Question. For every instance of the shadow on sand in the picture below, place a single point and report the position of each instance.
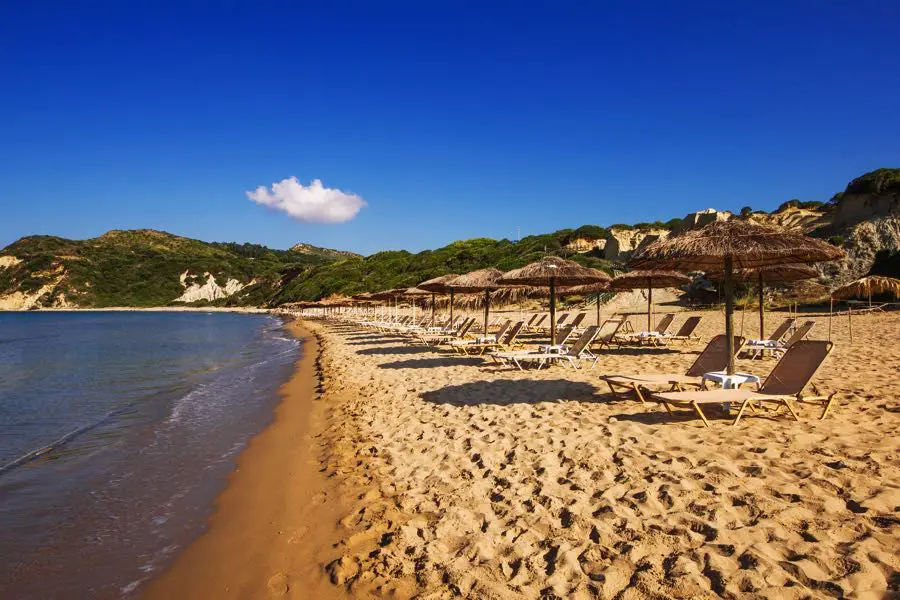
(657, 415)
(427, 363)
(396, 350)
(505, 392)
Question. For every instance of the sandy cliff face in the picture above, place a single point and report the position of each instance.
(863, 241)
(621, 243)
(585, 244)
(28, 299)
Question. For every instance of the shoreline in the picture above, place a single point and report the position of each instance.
(216, 309)
(276, 522)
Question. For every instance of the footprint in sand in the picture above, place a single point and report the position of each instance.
(278, 584)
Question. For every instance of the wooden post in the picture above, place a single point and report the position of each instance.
(598, 309)
(487, 309)
(451, 307)
(729, 310)
(850, 320)
(830, 313)
(649, 304)
(552, 310)
(762, 310)
(432, 309)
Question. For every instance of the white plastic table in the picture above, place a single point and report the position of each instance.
(729, 382)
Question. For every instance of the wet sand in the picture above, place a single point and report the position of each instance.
(276, 521)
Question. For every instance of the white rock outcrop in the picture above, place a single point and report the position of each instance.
(210, 290)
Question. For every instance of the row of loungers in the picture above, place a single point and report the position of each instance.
(799, 360)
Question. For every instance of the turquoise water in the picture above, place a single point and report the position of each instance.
(117, 430)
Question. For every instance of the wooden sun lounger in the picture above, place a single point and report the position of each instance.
(713, 358)
(784, 384)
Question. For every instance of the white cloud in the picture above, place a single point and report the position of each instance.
(314, 203)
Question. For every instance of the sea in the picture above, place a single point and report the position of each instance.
(117, 432)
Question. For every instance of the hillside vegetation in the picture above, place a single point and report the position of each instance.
(142, 268)
(152, 268)
(404, 269)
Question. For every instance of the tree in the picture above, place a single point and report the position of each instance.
(746, 211)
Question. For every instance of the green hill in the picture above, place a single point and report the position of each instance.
(144, 268)
(403, 269)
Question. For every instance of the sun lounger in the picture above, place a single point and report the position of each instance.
(578, 319)
(777, 347)
(777, 335)
(685, 334)
(505, 342)
(784, 384)
(608, 335)
(713, 358)
(661, 327)
(578, 351)
(482, 339)
(537, 324)
(441, 338)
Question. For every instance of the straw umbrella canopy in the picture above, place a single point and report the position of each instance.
(729, 245)
(551, 272)
(482, 280)
(774, 274)
(638, 280)
(872, 285)
(438, 285)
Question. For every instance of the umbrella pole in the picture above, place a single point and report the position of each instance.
(762, 310)
(830, 313)
(552, 310)
(850, 320)
(649, 305)
(451, 307)
(598, 309)
(487, 310)
(729, 309)
(432, 309)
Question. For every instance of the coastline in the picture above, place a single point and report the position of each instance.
(277, 520)
(217, 309)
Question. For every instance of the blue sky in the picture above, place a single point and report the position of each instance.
(451, 120)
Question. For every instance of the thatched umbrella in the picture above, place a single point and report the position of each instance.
(638, 280)
(482, 280)
(873, 285)
(591, 288)
(553, 271)
(774, 274)
(729, 245)
(438, 285)
(413, 293)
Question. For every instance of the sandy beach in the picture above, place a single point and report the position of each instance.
(442, 476)
(499, 483)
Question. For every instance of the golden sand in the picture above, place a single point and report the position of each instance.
(494, 483)
(459, 478)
